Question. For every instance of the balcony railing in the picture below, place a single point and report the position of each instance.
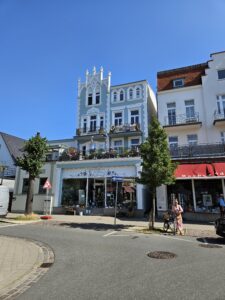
(201, 150)
(90, 131)
(118, 152)
(125, 128)
(182, 119)
(218, 115)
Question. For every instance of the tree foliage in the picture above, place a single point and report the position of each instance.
(157, 167)
(32, 160)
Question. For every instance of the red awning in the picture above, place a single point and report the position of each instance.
(128, 189)
(219, 169)
(193, 170)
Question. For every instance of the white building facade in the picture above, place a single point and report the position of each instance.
(191, 108)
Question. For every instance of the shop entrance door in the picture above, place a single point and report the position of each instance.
(99, 187)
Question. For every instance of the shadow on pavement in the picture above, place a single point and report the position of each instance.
(95, 226)
(212, 240)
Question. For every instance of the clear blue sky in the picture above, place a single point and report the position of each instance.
(46, 45)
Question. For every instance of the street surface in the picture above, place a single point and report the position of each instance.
(94, 261)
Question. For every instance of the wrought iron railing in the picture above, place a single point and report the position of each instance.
(125, 128)
(201, 150)
(90, 131)
(117, 152)
(218, 115)
(181, 119)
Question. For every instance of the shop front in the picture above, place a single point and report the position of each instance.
(197, 188)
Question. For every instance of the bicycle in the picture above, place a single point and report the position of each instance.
(169, 222)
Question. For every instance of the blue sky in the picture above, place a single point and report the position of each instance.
(46, 45)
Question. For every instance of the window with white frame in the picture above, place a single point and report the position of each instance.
(171, 110)
(138, 92)
(118, 118)
(121, 95)
(190, 109)
(90, 99)
(134, 117)
(221, 74)
(222, 136)
(114, 96)
(221, 104)
(192, 139)
(178, 82)
(118, 145)
(130, 93)
(97, 97)
(93, 123)
(84, 125)
(101, 122)
(134, 143)
(173, 142)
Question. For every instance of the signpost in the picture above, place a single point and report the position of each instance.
(47, 203)
(116, 179)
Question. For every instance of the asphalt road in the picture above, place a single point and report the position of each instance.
(95, 262)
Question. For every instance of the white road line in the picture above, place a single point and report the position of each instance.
(110, 233)
(175, 238)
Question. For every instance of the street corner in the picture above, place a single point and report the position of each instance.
(22, 263)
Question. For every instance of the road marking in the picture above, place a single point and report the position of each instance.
(110, 233)
(175, 238)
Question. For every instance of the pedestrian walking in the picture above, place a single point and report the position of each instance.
(177, 210)
(221, 203)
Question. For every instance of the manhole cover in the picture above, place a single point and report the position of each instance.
(161, 255)
(46, 265)
(210, 246)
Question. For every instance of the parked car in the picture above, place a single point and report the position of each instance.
(4, 200)
(220, 226)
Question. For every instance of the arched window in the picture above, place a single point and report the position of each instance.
(138, 92)
(114, 96)
(121, 95)
(130, 93)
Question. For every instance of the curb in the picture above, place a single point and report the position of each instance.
(22, 284)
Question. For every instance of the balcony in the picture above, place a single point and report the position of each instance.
(179, 121)
(125, 130)
(219, 119)
(99, 154)
(198, 151)
(90, 131)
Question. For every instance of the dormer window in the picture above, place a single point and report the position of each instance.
(121, 96)
(221, 74)
(179, 82)
(114, 96)
(130, 93)
(138, 92)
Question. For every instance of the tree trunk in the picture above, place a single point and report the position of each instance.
(29, 200)
(152, 213)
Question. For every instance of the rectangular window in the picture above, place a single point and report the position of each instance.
(222, 135)
(101, 122)
(134, 143)
(221, 74)
(173, 142)
(221, 105)
(118, 119)
(25, 185)
(90, 99)
(97, 98)
(118, 145)
(93, 123)
(179, 82)
(85, 125)
(171, 109)
(134, 119)
(41, 185)
(192, 139)
(190, 110)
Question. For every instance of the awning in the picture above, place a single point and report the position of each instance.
(219, 169)
(194, 170)
(128, 189)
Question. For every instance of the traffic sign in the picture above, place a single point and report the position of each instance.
(117, 179)
(47, 185)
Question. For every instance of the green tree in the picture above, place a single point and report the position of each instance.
(157, 167)
(32, 160)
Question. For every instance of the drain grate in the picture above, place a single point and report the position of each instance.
(161, 255)
(209, 246)
(46, 265)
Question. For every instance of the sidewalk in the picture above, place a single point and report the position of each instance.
(19, 259)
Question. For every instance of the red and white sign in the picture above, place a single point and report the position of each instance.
(47, 185)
